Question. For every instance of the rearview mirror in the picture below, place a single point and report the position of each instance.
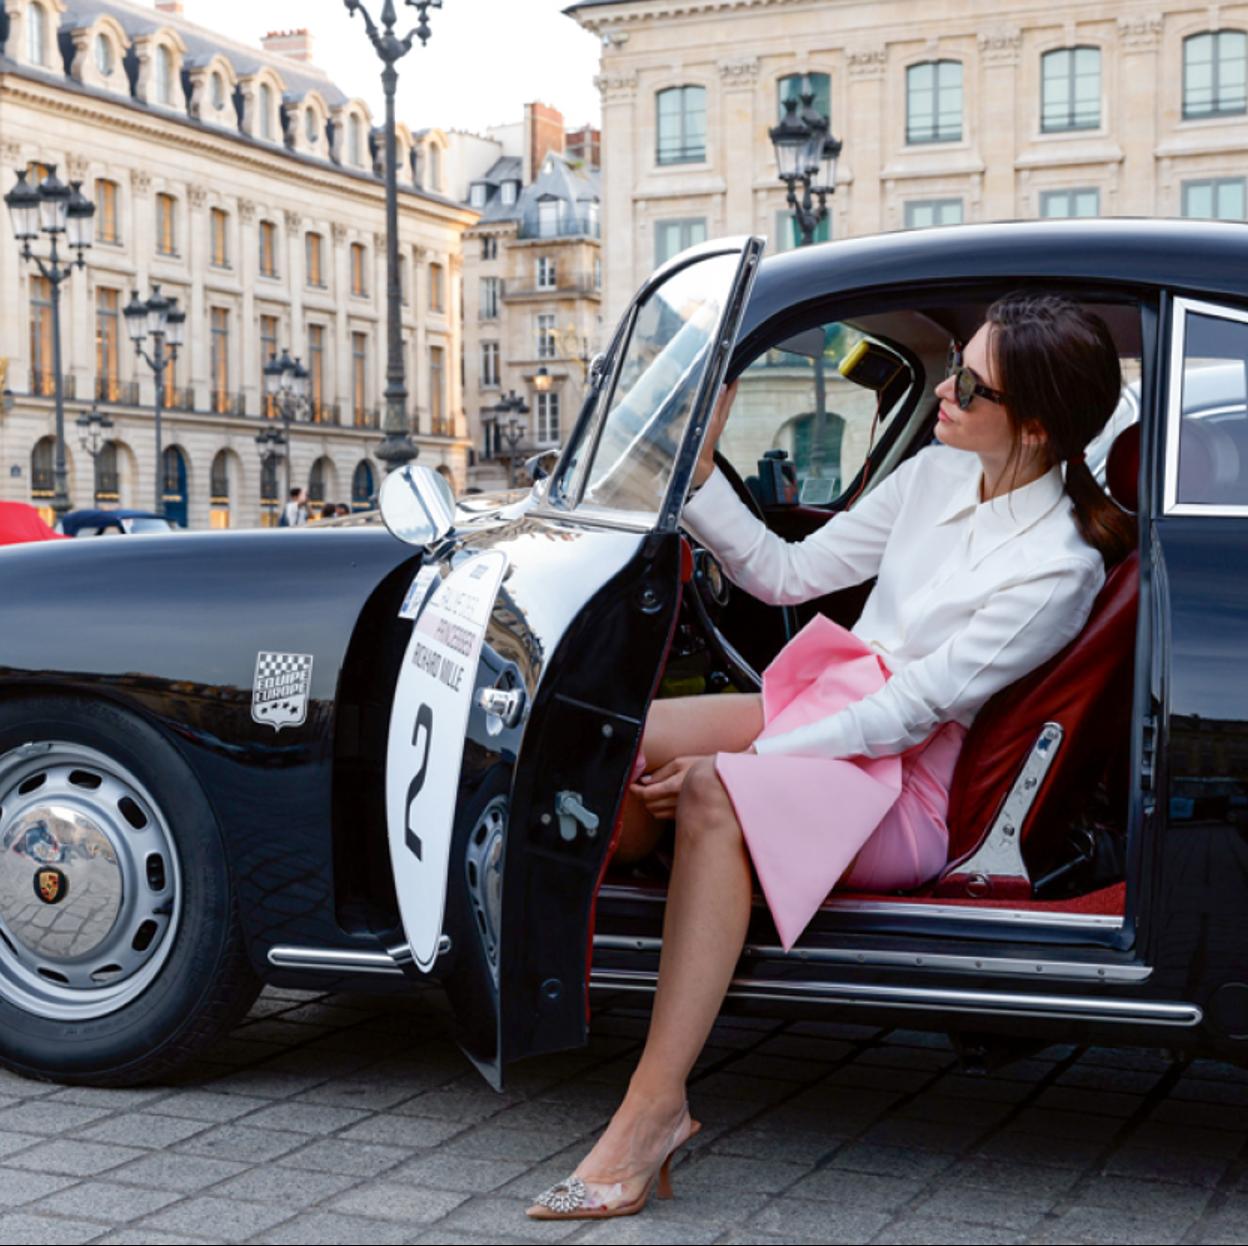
(417, 505)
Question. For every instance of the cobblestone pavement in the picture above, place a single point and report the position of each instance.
(335, 1118)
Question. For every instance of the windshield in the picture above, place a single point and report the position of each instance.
(147, 523)
(657, 382)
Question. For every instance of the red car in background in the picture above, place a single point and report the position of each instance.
(20, 522)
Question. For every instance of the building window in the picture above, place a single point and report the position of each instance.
(1215, 199)
(105, 57)
(787, 233)
(220, 254)
(219, 320)
(311, 126)
(922, 213)
(545, 272)
(359, 379)
(491, 287)
(316, 371)
(934, 102)
(681, 125)
(489, 248)
(42, 473)
(546, 341)
(266, 110)
(36, 34)
(219, 490)
(107, 344)
(359, 277)
(312, 259)
(476, 195)
(1058, 203)
(437, 288)
(355, 145)
(268, 487)
(363, 486)
(107, 228)
(218, 91)
(268, 352)
(403, 280)
(107, 475)
(1070, 91)
(591, 217)
(1215, 73)
(597, 272)
(672, 237)
(509, 193)
(42, 380)
(549, 212)
(792, 86)
(166, 240)
(437, 389)
(164, 75)
(268, 249)
(547, 418)
(489, 365)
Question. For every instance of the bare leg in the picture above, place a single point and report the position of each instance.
(708, 910)
(682, 727)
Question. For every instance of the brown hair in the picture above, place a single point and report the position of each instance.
(1059, 367)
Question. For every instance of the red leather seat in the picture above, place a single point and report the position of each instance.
(1087, 690)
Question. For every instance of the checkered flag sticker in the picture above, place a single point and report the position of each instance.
(279, 696)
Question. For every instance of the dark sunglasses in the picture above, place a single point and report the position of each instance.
(965, 383)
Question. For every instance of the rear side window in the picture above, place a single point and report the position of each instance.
(1207, 440)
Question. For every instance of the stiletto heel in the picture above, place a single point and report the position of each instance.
(570, 1200)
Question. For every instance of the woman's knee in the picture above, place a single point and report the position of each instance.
(704, 808)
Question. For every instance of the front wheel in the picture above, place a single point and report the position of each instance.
(121, 952)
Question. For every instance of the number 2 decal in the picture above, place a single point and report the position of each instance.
(424, 718)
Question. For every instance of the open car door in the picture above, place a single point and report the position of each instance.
(560, 619)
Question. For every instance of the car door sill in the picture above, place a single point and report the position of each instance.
(936, 999)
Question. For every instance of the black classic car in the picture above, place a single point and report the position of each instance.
(339, 759)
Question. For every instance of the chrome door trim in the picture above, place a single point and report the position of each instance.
(932, 999)
(345, 960)
(944, 962)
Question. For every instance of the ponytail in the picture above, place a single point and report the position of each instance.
(1102, 523)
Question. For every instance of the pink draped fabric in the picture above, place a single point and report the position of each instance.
(814, 823)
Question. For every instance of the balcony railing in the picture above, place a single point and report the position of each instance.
(569, 225)
(43, 384)
(180, 398)
(225, 402)
(366, 417)
(581, 284)
(440, 426)
(324, 413)
(110, 389)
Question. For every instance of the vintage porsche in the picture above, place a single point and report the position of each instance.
(352, 759)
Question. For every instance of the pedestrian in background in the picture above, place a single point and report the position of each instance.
(295, 512)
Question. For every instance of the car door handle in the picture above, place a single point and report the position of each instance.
(502, 703)
(570, 812)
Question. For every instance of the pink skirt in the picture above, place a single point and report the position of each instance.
(814, 823)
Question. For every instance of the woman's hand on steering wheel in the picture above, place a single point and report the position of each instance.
(719, 417)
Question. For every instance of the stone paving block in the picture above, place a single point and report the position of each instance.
(929, 1058)
(492, 1218)
(977, 1172)
(1187, 1138)
(143, 1129)
(851, 1031)
(320, 1012)
(204, 1105)
(146, 1237)
(1054, 1124)
(1127, 1058)
(491, 1142)
(36, 1230)
(17, 1188)
(891, 1161)
(115, 1098)
(46, 1117)
(731, 1172)
(295, 1188)
(1105, 1077)
(372, 1096)
(73, 1158)
(930, 1106)
(806, 1047)
(1165, 1164)
(932, 1231)
(326, 1228)
(797, 1220)
(568, 1120)
(226, 1220)
(650, 1228)
(1144, 1198)
(1016, 1147)
(24, 1087)
(777, 1068)
(823, 1107)
(186, 1173)
(107, 1201)
(439, 1237)
(359, 1159)
(241, 1142)
(879, 1077)
(1001, 1209)
(264, 1083)
(11, 1143)
(447, 1171)
(923, 1135)
(410, 1132)
(392, 1200)
(1086, 1099)
(858, 1189)
(1226, 1116)
(1102, 1224)
(791, 1146)
(460, 1105)
(306, 1118)
(965, 1086)
(1217, 1070)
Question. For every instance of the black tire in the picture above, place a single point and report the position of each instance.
(202, 983)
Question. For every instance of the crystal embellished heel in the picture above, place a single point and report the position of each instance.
(576, 1199)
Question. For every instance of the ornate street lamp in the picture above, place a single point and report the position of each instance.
(92, 426)
(806, 154)
(512, 406)
(54, 209)
(164, 322)
(542, 380)
(397, 448)
(286, 382)
(271, 443)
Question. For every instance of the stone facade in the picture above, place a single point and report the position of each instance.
(1139, 138)
(249, 187)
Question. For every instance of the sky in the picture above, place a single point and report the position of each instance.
(484, 60)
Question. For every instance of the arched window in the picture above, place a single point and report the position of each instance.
(311, 127)
(266, 110)
(36, 34)
(268, 488)
(107, 476)
(934, 102)
(1070, 89)
(42, 483)
(219, 486)
(362, 486)
(355, 148)
(1215, 74)
(164, 75)
(105, 59)
(322, 471)
(173, 484)
(681, 125)
(218, 90)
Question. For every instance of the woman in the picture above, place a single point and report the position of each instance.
(989, 551)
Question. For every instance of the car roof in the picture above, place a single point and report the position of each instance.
(1202, 258)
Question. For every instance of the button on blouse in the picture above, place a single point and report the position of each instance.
(969, 597)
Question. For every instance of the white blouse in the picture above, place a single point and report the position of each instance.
(970, 595)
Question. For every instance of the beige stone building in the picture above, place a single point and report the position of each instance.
(248, 186)
(971, 110)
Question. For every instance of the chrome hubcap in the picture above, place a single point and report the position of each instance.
(89, 883)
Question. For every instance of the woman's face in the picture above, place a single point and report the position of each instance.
(984, 427)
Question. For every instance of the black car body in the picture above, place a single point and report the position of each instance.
(1125, 924)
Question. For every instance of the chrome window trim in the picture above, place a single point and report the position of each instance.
(1184, 307)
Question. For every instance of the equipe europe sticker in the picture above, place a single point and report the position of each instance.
(279, 694)
(428, 719)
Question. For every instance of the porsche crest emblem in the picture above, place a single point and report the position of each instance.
(51, 884)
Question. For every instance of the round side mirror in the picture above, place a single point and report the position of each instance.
(417, 505)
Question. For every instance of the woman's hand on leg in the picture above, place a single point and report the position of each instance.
(660, 790)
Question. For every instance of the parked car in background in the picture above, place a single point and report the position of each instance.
(20, 523)
(114, 523)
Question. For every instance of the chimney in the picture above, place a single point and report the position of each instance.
(543, 132)
(295, 45)
(169, 6)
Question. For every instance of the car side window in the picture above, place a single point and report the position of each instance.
(1207, 452)
(813, 397)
